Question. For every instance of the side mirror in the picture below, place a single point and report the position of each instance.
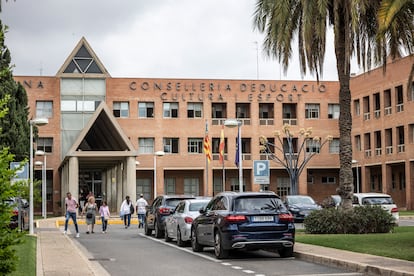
(202, 211)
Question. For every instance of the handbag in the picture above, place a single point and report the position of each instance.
(106, 217)
(132, 209)
(89, 215)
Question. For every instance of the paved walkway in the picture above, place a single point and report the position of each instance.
(58, 254)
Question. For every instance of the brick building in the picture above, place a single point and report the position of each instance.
(106, 135)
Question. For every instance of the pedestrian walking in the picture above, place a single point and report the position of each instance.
(126, 210)
(71, 207)
(90, 210)
(141, 206)
(105, 214)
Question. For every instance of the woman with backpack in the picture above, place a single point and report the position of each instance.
(127, 209)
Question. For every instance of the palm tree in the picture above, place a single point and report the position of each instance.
(358, 32)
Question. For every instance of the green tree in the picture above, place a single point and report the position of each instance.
(16, 138)
(358, 32)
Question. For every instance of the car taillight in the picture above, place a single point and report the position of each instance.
(235, 218)
(188, 220)
(164, 210)
(394, 210)
(286, 217)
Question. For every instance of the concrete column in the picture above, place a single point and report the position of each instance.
(73, 180)
(120, 194)
(131, 178)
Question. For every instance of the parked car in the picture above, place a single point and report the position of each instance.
(247, 220)
(383, 200)
(160, 208)
(300, 206)
(19, 204)
(332, 201)
(178, 224)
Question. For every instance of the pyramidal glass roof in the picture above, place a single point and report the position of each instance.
(83, 62)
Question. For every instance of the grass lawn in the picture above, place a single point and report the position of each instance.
(398, 245)
(26, 252)
(406, 213)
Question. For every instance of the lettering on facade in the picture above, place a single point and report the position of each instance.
(261, 92)
(28, 84)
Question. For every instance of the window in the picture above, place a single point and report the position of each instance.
(333, 111)
(170, 110)
(242, 110)
(44, 144)
(218, 110)
(44, 109)
(146, 110)
(358, 146)
(191, 186)
(328, 180)
(169, 184)
(195, 110)
(146, 145)
(357, 107)
(312, 111)
(313, 146)
(334, 146)
(78, 106)
(170, 145)
(121, 109)
(144, 186)
(195, 145)
(283, 186)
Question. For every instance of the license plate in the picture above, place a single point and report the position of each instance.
(262, 218)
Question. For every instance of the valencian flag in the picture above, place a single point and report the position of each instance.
(207, 148)
(221, 146)
(236, 160)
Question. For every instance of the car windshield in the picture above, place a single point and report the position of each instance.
(301, 200)
(195, 206)
(245, 204)
(377, 200)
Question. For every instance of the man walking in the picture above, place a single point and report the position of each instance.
(71, 208)
(141, 210)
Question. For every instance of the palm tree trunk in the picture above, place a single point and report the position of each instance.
(343, 57)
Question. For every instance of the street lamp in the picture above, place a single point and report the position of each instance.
(157, 153)
(34, 122)
(357, 173)
(44, 180)
(231, 123)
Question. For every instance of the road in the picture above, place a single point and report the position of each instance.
(129, 252)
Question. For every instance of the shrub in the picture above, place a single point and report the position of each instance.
(359, 220)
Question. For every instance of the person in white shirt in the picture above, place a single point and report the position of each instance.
(141, 210)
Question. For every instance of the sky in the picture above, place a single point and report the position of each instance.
(194, 39)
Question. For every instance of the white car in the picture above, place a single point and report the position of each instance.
(178, 224)
(384, 200)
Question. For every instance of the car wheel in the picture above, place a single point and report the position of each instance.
(219, 251)
(158, 232)
(180, 242)
(194, 242)
(166, 237)
(286, 252)
(147, 231)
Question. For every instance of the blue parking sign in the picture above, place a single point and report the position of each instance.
(261, 171)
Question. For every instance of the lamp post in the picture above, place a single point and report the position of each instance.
(44, 180)
(357, 173)
(157, 153)
(231, 123)
(34, 122)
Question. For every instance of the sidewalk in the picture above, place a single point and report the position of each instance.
(58, 254)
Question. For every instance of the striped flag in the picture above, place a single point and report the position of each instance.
(221, 146)
(207, 147)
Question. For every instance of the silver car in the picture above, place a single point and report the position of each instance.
(178, 224)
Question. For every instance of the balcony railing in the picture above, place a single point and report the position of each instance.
(368, 153)
(388, 150)
(292, 122)
(378, 151)
(388, 110)
(367, 116)
(400, 107)
(266, 122)
(401, 148)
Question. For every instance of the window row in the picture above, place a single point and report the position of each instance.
(382, 102)
(391, 140)
(195, 146)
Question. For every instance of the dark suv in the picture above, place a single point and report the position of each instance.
(249, 220)
(161, 207)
